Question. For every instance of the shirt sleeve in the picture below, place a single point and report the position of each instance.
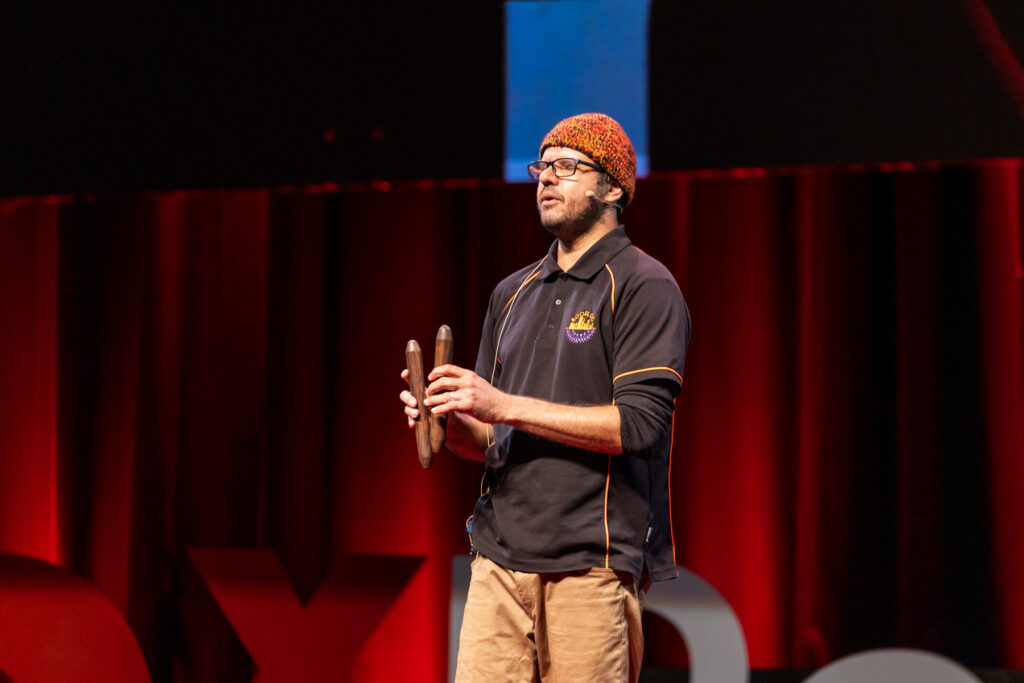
(652, 331)
(485, 357)
(645, 415)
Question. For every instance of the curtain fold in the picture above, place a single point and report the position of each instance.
(220, 369)
(1000, 264)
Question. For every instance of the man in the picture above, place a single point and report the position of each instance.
(570, 408)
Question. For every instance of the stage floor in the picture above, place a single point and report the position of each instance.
(798, 676)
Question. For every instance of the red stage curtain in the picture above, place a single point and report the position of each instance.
(220, 369)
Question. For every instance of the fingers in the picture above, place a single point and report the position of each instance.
(442, 383)
(408, 399)
(411, 411)
(446, 371)
(440, 394)
(445, 378)
(451, 400)
(443, 403)
(448, 382)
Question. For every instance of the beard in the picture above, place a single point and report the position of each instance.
(573, 220)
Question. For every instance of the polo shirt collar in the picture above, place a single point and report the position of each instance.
(600, 253)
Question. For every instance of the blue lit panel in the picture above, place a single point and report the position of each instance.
(565, 57)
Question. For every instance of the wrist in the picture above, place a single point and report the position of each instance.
(516, 410)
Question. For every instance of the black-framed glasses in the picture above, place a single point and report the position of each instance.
(562, 168)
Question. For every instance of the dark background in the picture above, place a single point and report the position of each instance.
(128, 96)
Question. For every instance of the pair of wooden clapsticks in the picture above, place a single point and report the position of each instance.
(430, 429)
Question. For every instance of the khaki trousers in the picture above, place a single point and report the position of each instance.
(568, 626)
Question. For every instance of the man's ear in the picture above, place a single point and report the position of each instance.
(614, 192)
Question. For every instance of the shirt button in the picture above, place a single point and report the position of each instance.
(558, 302)
(551, 326)
(564, 276)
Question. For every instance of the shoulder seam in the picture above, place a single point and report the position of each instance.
(535, 271)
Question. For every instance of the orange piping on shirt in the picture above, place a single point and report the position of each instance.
(671, 443)
(633, 372)
(505, 307)
(607, 536)
(608, 268)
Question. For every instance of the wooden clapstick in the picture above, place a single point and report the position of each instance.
(442, 356)
(414, 362)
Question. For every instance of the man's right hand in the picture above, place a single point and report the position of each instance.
(411, 411)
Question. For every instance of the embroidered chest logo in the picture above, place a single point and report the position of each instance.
(581, 327)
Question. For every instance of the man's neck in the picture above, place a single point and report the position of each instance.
(571, 249)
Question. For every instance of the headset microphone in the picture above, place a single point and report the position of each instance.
(590, 193)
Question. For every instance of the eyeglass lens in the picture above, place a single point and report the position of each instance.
(561, 167)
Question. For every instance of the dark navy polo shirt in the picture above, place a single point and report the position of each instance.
(614, 321)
